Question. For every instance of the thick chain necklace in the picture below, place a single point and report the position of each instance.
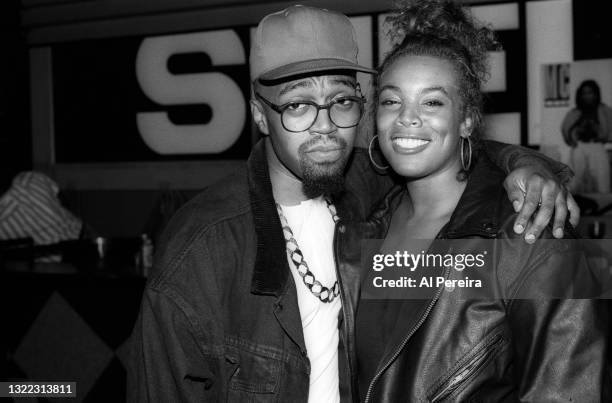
(316, 288)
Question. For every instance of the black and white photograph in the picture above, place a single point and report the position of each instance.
(318, 201)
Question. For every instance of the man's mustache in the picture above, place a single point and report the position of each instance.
(327, 141)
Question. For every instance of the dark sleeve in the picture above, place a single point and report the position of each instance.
(509, 157)
(568, 121)
(366, 186)
(559, 342)
(167, 361)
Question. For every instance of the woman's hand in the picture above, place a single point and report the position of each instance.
(536, 194)
(570, 139)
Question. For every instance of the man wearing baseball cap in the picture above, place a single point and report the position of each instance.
(252, 295)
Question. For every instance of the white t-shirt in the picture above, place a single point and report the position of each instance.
(313, 228)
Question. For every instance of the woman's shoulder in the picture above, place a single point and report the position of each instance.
(570, 117)
(573, 113)
(606, 110)
(605, 106)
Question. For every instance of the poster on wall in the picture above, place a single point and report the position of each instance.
(169, 97)
(556, 78)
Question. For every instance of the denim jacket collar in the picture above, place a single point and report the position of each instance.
(271, 269)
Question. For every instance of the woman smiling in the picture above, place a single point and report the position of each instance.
(522, 339)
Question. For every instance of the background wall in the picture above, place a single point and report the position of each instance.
(15, 139)
(549, 40)
(79, 45)
(96, 125)
(551, 33)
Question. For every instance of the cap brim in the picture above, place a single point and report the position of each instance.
(312, 66)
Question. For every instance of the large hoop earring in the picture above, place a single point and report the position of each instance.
(466, 156)
(382, 168)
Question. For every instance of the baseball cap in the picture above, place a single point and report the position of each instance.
(302, 39)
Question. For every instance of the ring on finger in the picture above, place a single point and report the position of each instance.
(539, 201)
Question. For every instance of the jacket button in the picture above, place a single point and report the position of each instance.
(342, 228)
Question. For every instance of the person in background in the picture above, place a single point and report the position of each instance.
(519, 335)
(251, 297)
(30, 208)
(586, 128)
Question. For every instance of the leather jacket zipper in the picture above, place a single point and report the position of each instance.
(464, 373)
(343, 307)
(405, 340)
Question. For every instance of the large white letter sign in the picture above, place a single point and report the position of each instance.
(217, 90)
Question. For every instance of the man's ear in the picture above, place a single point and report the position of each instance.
(259, 116)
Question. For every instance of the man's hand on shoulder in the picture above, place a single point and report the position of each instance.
(537, 195)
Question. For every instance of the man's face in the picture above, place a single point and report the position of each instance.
(316, 156)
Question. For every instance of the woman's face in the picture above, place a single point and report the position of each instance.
(419, 116)
(588, 96)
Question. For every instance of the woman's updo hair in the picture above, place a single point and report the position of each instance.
(443, 28)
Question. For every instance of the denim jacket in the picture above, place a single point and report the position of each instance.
(219, 318)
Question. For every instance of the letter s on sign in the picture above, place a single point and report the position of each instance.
(217, 90)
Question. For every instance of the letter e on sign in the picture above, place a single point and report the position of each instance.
(215, 89)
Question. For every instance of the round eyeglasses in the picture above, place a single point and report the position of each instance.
(299, 116)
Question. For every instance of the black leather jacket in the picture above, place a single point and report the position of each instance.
(442, 349)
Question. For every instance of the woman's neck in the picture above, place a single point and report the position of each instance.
(436, 195)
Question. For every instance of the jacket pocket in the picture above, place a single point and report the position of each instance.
(255, 372)
(466, 372)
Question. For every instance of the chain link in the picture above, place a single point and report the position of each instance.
(316, 288)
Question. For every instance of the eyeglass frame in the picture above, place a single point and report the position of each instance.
(280, 109)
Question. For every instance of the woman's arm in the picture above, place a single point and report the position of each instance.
(568, 121)
(509, 157)
(606, 122)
